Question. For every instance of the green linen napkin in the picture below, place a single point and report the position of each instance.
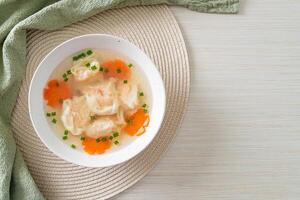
(15, 17)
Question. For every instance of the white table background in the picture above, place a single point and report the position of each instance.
(241, 135)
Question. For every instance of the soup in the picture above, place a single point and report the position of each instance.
(97, 101)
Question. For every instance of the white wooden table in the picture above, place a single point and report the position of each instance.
(241, 135)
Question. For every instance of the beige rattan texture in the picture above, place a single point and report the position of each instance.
(153, 29)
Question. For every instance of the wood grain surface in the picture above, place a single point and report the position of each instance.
(240, 139)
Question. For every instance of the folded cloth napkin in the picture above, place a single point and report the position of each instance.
(15, 17)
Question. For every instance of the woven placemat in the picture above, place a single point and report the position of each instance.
(153, 29)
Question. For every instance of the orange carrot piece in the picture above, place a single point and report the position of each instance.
(116, 69)
(55, 92)
(136, 122)
(91, 146)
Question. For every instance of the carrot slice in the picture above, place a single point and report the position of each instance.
(116, 69)
(91, 146)
(55, 92)
(136, 122)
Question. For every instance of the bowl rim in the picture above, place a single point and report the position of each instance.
(61, 149)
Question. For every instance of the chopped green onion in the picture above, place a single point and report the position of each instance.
(141, 94)
(82, 138)
(64, 75)
(48, 114)
(116, 142)
(93, 67)
(144, 105)
(93, 117)
(130, 65)
(53, 113)
(89, 52)
(111, 137)
(119, 70)
(115, 134)
(82, 55)
(73, 146)
(98, 140)
(66, 132)
(145, 110)
(65, 137)
(101, 69)
(88, 64)
(66, 79)
(54, 121)
(104, 139)
(125, 81)
(69, 72)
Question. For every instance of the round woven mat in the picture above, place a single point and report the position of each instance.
(154, 30)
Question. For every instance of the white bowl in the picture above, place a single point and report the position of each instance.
(68, 48)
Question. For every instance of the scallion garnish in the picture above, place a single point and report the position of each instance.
(73, 146)
(75, 58)
(93, 67)
(54, 121)
(53, 113)
(48, 114)
(145, 110)
(82, 55)
(125, 81)
(104, 139)
(111, 137)
(119, 70)
(89, 52)
(115, 134)
(130, 65)
(79, 56)
(93, 117)
(66, 132)
(65, 137)
(66, 74)
(98, 140)
(82, 138)
(144, 105)
(88, 64)
(141, 94)
(101, 69)
(116, 142)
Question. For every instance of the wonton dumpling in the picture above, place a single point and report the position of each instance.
(81, 72)
(75, 115)
(100, 127)
(128, 95)
(102, 99)
(120, 120)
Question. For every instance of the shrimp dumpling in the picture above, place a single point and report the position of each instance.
(102, 99)
(75, 115)
(100, 127)
(128, 95)
(85, 70)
